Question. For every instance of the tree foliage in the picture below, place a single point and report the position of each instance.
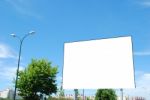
(37, 79)
(105, 94)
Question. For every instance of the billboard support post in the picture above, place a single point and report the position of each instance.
(75, 94)
(121, 90)
(83, 94)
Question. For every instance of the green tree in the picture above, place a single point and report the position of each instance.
(105, 94)
(38, 79)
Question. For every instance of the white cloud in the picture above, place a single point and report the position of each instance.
(142, 86)
(8, 73)
(59, 78)
(7, 52)
(59, 81)
(144, 53)
(8, 66)
(139, 73)
(24, 7)
(145, 3)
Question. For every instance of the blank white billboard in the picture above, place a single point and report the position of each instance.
(104, 63)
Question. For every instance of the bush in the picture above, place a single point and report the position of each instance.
(105, 94)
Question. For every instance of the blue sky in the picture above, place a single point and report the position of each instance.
(59, 21)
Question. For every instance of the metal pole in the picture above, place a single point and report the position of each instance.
(75, 94)
(83, 94)
(20, 47)
(121, 90)
(17, 69)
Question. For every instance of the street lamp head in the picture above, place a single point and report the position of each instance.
(13, 35)
(31, 32)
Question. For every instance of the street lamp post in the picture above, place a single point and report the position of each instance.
(21, 41)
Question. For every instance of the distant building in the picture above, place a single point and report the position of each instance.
(7, 93)
(71, 96)
(131, 98)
